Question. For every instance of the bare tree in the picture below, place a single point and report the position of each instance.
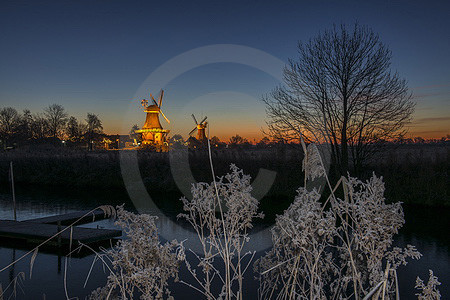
(25, 127)
(56, 119)
(39, 127)
(341, 91)
(9, 123)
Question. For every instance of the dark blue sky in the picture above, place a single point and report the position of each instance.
(92, 56)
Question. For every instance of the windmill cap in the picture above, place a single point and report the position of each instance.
(152, 108)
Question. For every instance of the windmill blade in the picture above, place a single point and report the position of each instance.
(203, 120)
(192, 131)
(195, 120)
(144, 102)
(161, 94)
(164, 116)
(153, 99)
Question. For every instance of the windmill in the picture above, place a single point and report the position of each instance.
(152, 131)
(200, 127)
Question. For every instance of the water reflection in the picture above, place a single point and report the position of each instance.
(427, 229)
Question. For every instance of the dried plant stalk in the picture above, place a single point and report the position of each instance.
(340, 250)
(140, 263)
(428, 291)
(221, 213)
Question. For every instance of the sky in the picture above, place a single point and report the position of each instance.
(212, 58)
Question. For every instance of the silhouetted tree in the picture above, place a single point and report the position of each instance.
(134, 135)
(238, 141)
(93, 129)
(39, 127)
(25, 127)
(264, 141)
(341, 91)
(56, 118)
(74, 129)
(216, 142)
(419, 140)
(133, 129)
(9, 123)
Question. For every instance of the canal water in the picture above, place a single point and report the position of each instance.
(426, 228)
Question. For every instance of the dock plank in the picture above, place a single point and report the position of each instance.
(69, 218)
(40, 232)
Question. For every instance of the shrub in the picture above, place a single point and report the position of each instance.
(139, 263)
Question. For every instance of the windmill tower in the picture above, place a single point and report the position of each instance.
(152, 131)
(200, 127)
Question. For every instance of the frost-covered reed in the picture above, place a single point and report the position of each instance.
(140, 264)
(221, 213)
(338, 249)
(334, 248)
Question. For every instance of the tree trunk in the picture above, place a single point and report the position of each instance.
(344, 142)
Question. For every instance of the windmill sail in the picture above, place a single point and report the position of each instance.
(164, 116)
(192, 131)
(153, 99)
(195, 120)
(161, 94)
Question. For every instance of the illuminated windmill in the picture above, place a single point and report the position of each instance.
(200, 127)
(152, 131)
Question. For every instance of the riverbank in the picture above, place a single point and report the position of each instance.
(413, 174)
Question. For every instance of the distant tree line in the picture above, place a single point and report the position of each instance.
(52, 125)
(421, 140)
(239, 142)
(234, 142)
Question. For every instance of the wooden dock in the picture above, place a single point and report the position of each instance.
(69, 218)
(39, 230)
